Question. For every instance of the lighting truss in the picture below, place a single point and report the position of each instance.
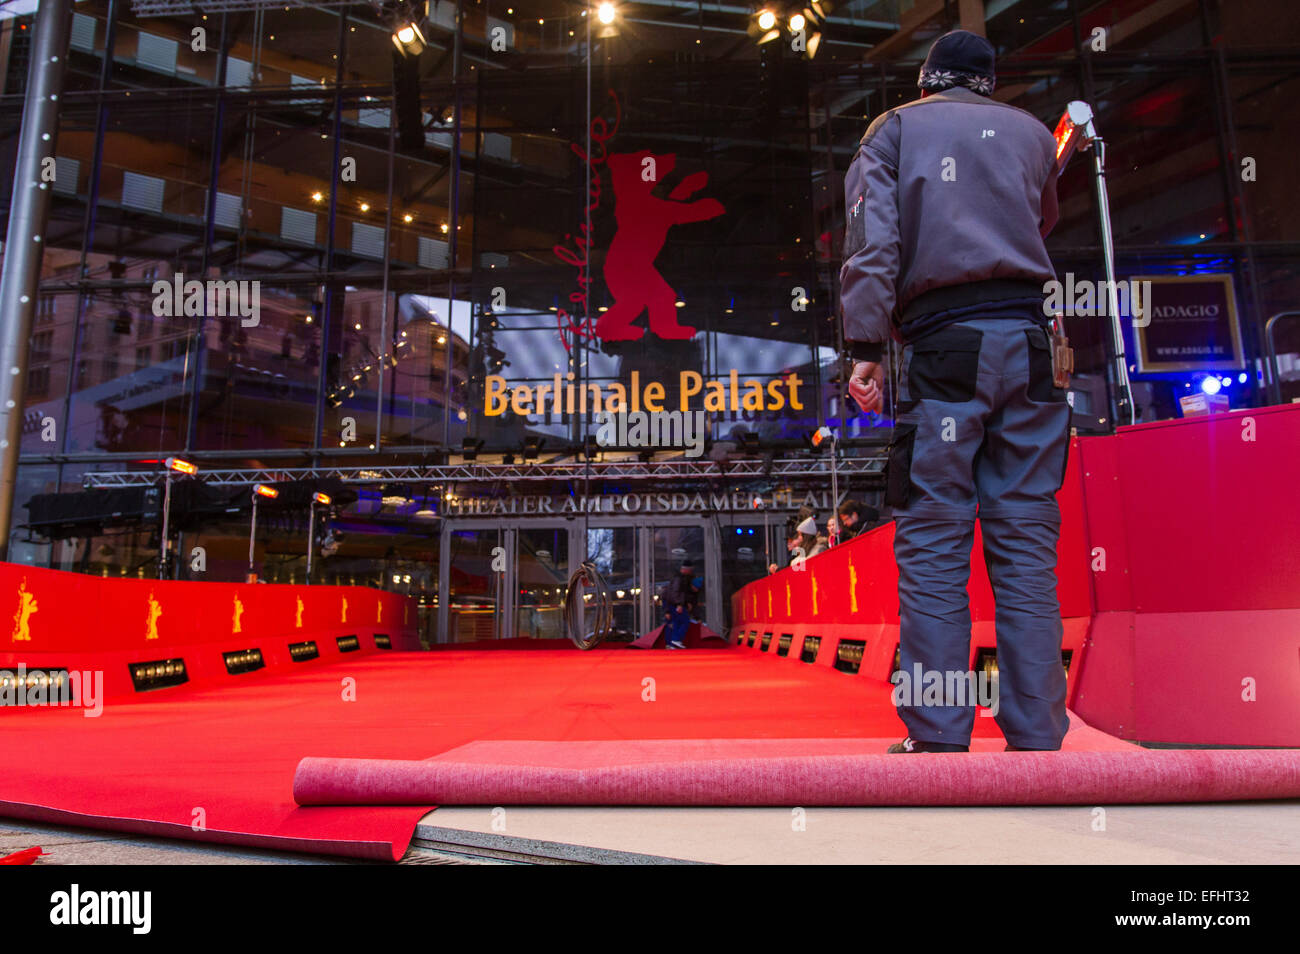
(180, 8)
(531, 471)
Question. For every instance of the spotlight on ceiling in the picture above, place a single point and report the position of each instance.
(409, 38)
(605, 13)
(766, 20)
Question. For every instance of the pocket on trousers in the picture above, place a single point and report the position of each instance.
(945, 365)
(898, 468)
(1041, 388)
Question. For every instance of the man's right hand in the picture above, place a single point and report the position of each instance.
(867, 385)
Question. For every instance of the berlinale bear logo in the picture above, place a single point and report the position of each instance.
(643, 221)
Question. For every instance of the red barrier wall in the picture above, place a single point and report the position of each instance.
(1197, 631)
(57, 619)
(850, 593)
(1178, 573)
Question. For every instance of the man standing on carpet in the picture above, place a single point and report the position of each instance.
(948, 200)
(680, 599)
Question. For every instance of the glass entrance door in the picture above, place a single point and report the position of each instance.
(615, 552)
(540, 577)
(474, 584)
(669, 547)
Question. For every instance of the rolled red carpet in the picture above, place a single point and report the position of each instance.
(793, 772)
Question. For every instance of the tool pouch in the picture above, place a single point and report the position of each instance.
(1062, 357)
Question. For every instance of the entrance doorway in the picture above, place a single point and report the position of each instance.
(507, 579)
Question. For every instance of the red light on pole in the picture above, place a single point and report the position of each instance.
(262, 490)
(322, 499)
(181, 466)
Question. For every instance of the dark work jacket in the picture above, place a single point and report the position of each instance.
(946, 204)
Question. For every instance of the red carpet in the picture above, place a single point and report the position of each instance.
(226, 758)
(823, 772)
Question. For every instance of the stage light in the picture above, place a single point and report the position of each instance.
(244, 660)
(1210, 385)
(262, 490)
(821, 435)
(301, 652)
(797, 23)
(469, 448)
(323, 499)
(533, 447)
(749, 442)
(408, 218)
(605, 13)
(1242, 378)
(766, 20)
(395, 495)
(348, 644)
(1225, 381)
(181, 466)
(409, 39)
(158, 674)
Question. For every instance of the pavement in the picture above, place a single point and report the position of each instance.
(1253, 833)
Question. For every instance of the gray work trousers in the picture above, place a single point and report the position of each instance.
(980, 428)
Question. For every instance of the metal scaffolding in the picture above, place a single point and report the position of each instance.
(743, 469)
(178, 8)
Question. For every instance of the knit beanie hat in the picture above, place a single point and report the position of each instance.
(959, 58)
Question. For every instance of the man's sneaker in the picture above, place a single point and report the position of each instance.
(913, 745)
(676, 645)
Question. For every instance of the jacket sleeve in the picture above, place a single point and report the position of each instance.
(869, 275)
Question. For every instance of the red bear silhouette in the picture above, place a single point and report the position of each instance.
(643, 221)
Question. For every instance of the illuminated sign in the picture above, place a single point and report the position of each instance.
(631, 504)
(563, 396)
(1192, 326)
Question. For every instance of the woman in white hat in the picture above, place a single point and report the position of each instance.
(801, 537)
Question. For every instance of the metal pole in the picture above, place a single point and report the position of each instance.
(28, 214)
(835, 486)
(252, 538)
(162, 544)
(1124, 393)
(311, 536)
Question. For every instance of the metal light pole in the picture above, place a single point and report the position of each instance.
(174, 466)
(259, 490)
(323, 500)
(1077, 130)
(823, 434)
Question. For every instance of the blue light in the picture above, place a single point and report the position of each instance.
(1241, 378)
(1225, 381)
(1211, 385)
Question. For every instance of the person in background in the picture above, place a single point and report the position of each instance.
(802, 537)
(853, 519)
(680, 599)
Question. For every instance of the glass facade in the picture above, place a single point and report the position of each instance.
(463, 258)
